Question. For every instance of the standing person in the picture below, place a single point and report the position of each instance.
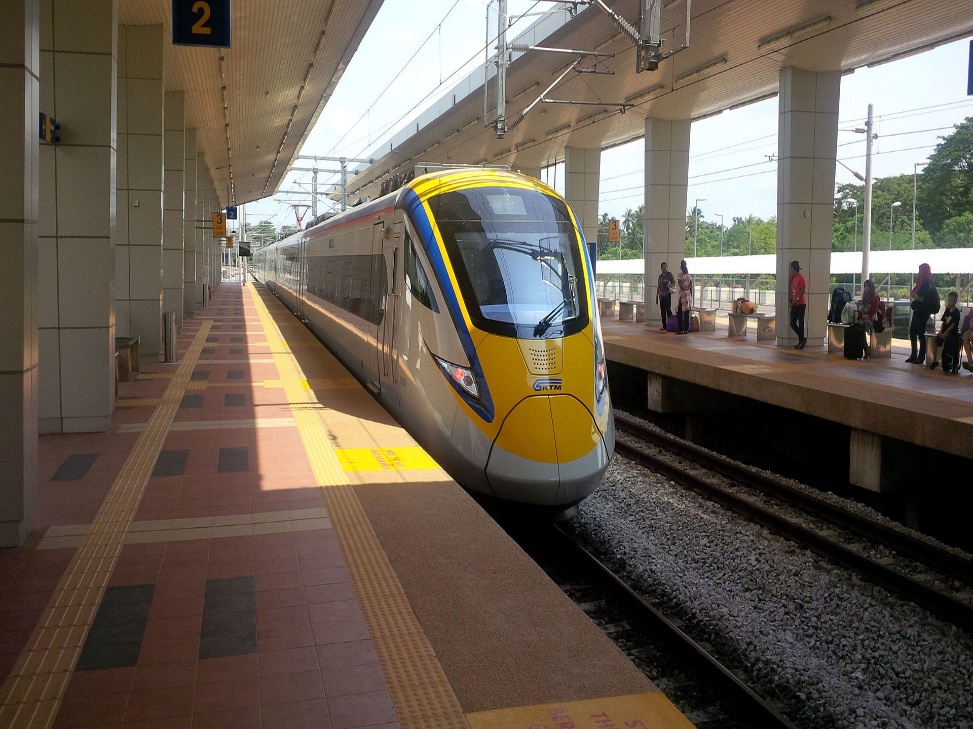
(919, 298)
(663, 294)
(797, 303)
(871, 307)
(967, 339)
(685, 283)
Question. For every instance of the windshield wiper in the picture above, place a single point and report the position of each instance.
(540, 329)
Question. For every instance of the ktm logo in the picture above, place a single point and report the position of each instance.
(547, 384)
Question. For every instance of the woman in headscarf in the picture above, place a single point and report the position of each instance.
(919, 298)
(685, 283)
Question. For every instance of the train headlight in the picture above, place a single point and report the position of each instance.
(601, 368)
(460, 376)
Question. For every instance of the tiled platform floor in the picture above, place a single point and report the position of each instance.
(230, 603)
(257, 544)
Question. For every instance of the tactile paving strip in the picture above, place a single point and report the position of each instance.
(420, 691)
(32, 694)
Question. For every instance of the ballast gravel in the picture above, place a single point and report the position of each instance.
(830, 649)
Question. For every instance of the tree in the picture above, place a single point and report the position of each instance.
(947, 181)
(957, 232)
(262, 233)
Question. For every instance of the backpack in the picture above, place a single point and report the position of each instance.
(933, 303)
(849, 313)
(839, 297)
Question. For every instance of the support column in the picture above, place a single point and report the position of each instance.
(189, 229)
(76, 260)
(865, 460)
(807, 146)
(19, 178)
(201, 230)
(582, 176)
(138, 249)
(173, 203)
(666, 185)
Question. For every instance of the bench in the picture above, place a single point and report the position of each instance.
(707, 319)
(880, 342)
(766, 326)
(629, 310)
(126, 358)
(606, 307)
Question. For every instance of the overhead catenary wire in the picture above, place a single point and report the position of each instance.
(383, 129)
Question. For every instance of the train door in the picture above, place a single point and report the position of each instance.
(378, 298)
(391, 245)
(301, 279)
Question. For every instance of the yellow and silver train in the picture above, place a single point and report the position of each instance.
(465, 302)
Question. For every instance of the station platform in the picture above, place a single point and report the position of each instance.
(256, 544)
(894, 410)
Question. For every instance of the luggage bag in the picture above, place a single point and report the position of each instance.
(854, 342)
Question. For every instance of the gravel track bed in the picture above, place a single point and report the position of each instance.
(832, 650)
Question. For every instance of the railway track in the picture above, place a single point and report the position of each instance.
(709, 694)
(946, 563)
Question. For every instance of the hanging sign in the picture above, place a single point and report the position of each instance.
(201, 23)
(219, 225)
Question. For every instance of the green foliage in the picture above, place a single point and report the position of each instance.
(947, 189)
(943, 194)
(262, 233)
(957, 232)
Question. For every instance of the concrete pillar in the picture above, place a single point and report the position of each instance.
(865, 460)
(19, 211)
(189, 229)
(666, 184)
(173, 203)
(77, 217)
(582, 176)
(807, 144)
(138, 239)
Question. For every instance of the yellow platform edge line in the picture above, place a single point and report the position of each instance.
(421, 693)
(649, 711)
(33, 691)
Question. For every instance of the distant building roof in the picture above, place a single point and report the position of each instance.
(941, 260)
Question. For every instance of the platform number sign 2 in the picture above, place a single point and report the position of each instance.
(201, 23)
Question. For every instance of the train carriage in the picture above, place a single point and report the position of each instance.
(464, 302)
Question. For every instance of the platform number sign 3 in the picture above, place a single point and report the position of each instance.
(201, 23)
(614, 231)
(219, 225)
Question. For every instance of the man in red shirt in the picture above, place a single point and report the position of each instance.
(797, 303)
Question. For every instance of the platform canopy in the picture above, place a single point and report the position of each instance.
(254, 104)
(953, 261)
(735, 55)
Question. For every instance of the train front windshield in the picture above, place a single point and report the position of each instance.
(517, 259)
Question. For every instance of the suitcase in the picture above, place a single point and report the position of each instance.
(854, 342)
(672, 324)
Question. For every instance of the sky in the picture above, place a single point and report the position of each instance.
(407, 57)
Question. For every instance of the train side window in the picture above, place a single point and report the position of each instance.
(416, 278)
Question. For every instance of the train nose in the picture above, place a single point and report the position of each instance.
(548, 451)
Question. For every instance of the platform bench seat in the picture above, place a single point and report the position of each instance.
(606, 307)
(707, 319)
(880, 342)
(766, 325)
(127, 358)
(631, 310)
